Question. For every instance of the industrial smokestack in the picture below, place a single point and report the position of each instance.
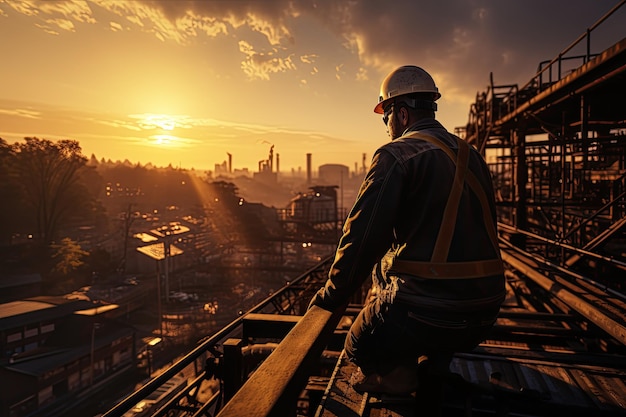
(271, 159)
(277, 162)
(308, 168)
(230, 162)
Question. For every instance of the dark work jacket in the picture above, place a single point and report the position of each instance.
(398, 213)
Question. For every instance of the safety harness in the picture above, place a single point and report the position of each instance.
(437, 267)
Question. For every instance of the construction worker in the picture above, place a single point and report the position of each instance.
(423, 227)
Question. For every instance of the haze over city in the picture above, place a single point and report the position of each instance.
(187, 82)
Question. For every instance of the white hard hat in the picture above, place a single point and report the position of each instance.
(405, 80)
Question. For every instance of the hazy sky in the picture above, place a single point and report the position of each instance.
(187, 82)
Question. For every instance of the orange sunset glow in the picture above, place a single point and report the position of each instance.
(188, 82)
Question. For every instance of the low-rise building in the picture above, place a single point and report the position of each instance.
(55, 352)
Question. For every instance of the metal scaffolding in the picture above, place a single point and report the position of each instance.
(557, 152)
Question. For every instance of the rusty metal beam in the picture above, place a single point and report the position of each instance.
(558, 88)
(615, 329)
(268, 326)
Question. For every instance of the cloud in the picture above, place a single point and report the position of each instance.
(55, 14)
(275, 33)
(207, 126)
(181, 21)
(308, 59)
(118, 124)
(361, 74)
(269, 18)
(47, 29)
(459, 41)
(78, 11)
(62, 24)
(148, 18)
(28, 8)
(171, 141)
(191, 24)
(161, 121)
(115, 27)
(26, 113)
(258, 65)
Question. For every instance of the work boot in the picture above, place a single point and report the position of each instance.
(402, 380)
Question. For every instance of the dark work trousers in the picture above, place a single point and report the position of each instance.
(384, 336)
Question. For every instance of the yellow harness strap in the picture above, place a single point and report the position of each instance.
(438, 267)
(449, 270)
(444, 238)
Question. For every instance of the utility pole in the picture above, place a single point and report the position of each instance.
(94, 326)
(162, 251)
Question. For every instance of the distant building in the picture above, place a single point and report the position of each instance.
(56, 351)
(267, 173)
(347, 184)
(221, 169)
(314, 207)
(312, 214)
(238, 172)
(333, 174)
(266, 177)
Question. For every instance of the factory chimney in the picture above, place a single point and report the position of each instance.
(308, 168)
(230, 163)
(277, 162)
(271, 159)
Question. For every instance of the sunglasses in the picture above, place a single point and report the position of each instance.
(387, 113)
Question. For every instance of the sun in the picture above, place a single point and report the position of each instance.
(161, 128)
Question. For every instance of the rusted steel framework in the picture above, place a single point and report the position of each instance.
(557, 151)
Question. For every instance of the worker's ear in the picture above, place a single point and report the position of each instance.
(404, 116)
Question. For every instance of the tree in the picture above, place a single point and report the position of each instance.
(68, 256)
(225, 191)
(10, 195)
(50, 176)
